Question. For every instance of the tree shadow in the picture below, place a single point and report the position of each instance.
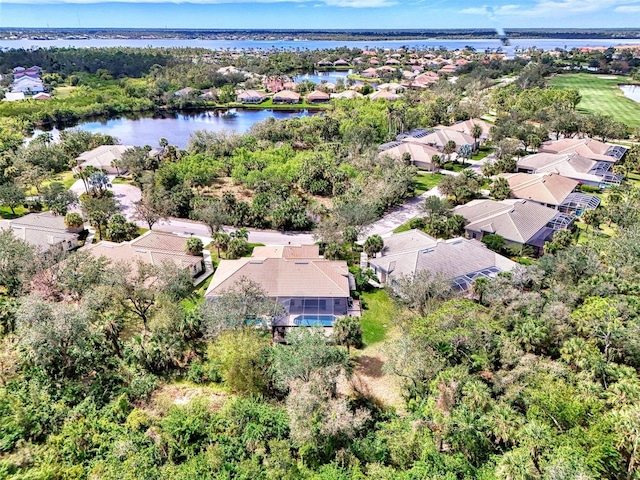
(370, 366)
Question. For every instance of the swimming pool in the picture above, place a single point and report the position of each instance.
(314, 320)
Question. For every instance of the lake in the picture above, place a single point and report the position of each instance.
(176, 127)
(631, 91)
(478, 44)
(319, 77)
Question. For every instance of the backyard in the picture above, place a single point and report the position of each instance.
(601, 94)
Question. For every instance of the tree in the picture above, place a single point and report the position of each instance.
(348, 332)
(221, 241)
(119, 229)
(140, 289)
(98, 183)
(476, 132)
(421, 291)
(194, 246)
(465, 152)
(144, 211)
(212, 214)
(237, 247)
(350, 234)
(58, 199)
(449, 148)
(244, 303)
(462, 188)
(495, 242)
(12, 196)
(373, 245)
(98, 210)
(306, 354)
(73, 220)
(17, 261)
(56, 337)
(500, 189)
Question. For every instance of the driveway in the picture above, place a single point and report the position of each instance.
(126, 195)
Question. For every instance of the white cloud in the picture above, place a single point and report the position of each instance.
(556, 8)
(332, 3)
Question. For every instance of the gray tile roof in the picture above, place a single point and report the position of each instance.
(514, 220)
(450, 258)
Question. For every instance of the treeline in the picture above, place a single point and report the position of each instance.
(120, 62)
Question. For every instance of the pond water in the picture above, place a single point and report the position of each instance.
(177, 127)
(631, 91)
(319, 77)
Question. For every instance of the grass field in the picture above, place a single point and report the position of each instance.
(426, 181)
(376, 316)
(600, 94)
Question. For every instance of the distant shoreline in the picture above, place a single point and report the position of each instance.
(39, 34)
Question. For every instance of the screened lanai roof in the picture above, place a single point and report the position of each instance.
(577, 202)
(464, 282)
(562, 221)
(616, 151)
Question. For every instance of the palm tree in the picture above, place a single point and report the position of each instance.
(449, 148)
(476, 132)
(220, 241)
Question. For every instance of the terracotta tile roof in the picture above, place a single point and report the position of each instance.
(102, 156)
(586, 147)
(282, 277)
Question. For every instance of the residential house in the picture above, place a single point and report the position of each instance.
(519, 222)
(419, 155)
(318, 96)
(43, 231)
(251, 96)
(27, 85)
(585, 147)
(391, 87)
(13, 96)
(184, 92)
(104, 157)
(370, 73)
(312, 290)
(466, 127)
(325, 62)
(571, 165)
(458, 260)
(383, 95)
(551, 190)
(347, 94)
(341, 62)
(286, 96)
(41, 96)
(374, 61)
(439, 138)
(154, 248)
(448, 69)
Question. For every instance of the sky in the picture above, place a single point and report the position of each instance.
(321, 14)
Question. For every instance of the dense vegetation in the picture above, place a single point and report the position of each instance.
(122, 371)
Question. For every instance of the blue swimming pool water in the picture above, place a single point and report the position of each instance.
(314, 320)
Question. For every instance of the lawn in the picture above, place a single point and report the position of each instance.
(63, 92)
(377, 315)
(5, 212)
(600, 94)
(426, 181)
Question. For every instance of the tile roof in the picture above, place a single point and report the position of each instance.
(439, 138)
(450, 258)
(547, 188)
(419, 153)
(283, 277)
(102, 156)
(586, 147)
(571, 165)
(514, 220)
(43, 221)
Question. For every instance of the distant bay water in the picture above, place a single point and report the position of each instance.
(478, 44)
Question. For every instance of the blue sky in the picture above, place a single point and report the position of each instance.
(289, 14)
